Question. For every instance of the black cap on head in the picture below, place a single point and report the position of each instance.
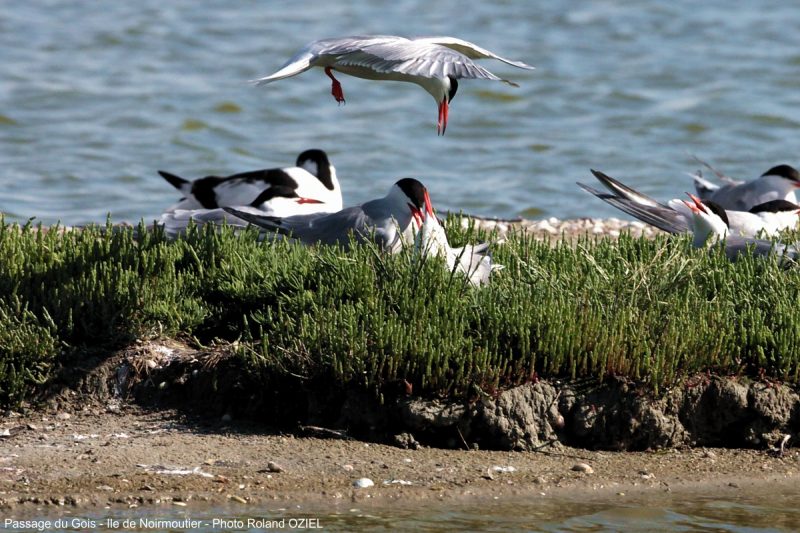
(414, 190)
(775, 206)
(453, 89)
(784, 171)
(717, 210)
(320, 158)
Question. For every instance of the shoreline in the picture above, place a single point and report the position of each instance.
(93, 443)
(123, 460)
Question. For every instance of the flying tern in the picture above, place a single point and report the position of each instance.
(434, 63)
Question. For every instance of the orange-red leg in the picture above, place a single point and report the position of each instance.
(336, 87)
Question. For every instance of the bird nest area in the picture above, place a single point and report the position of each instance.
(651, 312)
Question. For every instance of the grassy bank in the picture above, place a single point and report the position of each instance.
(651, 310)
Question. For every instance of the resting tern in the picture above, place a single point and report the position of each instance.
(768, 218)
(312, 181)
(473, 260)
(434, 63)
(309, 187)
(777, 183)
(390, 221)
(710, 226)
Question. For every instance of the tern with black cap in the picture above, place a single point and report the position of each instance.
(434, 63)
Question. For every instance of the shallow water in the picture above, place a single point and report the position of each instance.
(96, 97)
(749, 513)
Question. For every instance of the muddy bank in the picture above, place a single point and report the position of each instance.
(161, 423)
(705, 410)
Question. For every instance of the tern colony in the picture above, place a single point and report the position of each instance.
(304, 202)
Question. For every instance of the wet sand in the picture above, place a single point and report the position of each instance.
(132, 458)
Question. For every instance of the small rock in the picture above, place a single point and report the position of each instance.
(363, 483)
(583, 468)
(275, 467)
(347, 468)
(406, 441)
(504, 469)
(708, 454)
(236, 498)
(226, 417)
(63, 416)
(32, 427)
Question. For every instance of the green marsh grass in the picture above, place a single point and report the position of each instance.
(651, 310)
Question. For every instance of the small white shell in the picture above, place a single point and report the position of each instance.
(363, 483)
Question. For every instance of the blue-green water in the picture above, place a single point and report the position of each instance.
(762, 513)
(96, 96)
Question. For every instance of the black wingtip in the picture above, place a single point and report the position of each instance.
(175, 181)
(263, 221)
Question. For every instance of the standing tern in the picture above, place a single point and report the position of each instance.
(768, 218)
(309, 187)
(390, 221)
(777, 183)
(434, 63)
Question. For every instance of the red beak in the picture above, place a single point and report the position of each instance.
(308, 201)
(428, 204)
(698, 203)
(416, 214)
(441, 125)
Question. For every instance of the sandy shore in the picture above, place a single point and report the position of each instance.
(138, 458)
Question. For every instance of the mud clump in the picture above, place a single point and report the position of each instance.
(522, 418)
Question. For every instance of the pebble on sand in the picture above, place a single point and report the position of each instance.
(363, 483)
(272, 466)
(583, 468)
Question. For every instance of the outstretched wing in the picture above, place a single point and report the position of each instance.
(312, 53)
(300, 62)
(471, 50)
(623, 191)
(662, 217)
